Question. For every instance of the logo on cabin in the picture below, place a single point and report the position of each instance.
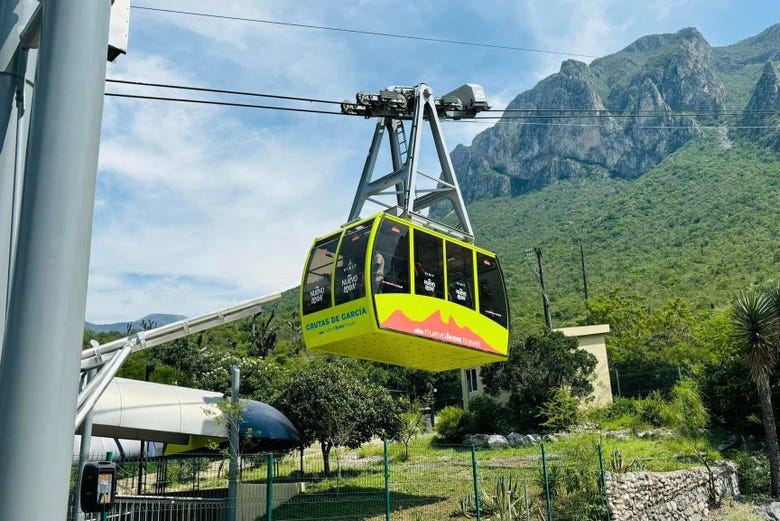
(435, 328)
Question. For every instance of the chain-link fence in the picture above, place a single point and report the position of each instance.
(639, 384)
(380, 481)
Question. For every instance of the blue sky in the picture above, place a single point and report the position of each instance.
(201, 207)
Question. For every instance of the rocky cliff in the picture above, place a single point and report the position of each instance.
(622, 114)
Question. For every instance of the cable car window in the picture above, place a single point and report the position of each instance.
(390, 262)
(428, 265)
(351, 265)
(316, 287)
(460, 275)
(492, 300)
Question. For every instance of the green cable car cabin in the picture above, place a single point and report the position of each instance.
(389, 290)
(400, 287)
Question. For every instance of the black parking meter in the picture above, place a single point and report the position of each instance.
(98, 486)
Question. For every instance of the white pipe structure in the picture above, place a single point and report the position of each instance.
(121, 348)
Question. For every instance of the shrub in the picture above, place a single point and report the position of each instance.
(451, 424)
(486, 415)
(651, 409)
(753, 473)
(560, 412)
(685, 412)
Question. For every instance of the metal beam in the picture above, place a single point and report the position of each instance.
(16, 62)
(93, 357)
(118, 350)
(396, 105)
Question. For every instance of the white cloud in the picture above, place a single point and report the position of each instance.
(197, 207)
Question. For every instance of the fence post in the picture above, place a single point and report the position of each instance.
(527, 506)
(546, 485)
(269, 490)
(603, 481)
(476, 481)
(387, 484)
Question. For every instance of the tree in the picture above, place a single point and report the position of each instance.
(755, 318)
(650, 343)
(333, 403)
(262, 336)
(535, 370)
(412, 422)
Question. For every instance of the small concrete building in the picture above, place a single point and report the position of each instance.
(590, 338)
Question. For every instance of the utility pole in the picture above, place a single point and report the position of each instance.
(584, 277)
(233, 420)
(39, 364)
(545, 300)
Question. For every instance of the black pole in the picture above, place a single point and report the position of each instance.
(141, 463)
(545, 301)
(584, 276)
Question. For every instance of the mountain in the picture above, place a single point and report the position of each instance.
(613, 118)
(662, 161)
(700, 226)
(155, 319)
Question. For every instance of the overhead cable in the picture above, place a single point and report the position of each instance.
(219, 91)
(221, 103)
(360, 31)
(529, 113)
(599, 125)
(474, 120)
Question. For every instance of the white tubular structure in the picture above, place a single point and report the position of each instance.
(109, 357)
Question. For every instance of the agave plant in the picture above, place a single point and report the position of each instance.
(505, 501)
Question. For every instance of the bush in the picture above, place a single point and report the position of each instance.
(753, 473)
(685, 413)
(560, 412)
(652, 409)
(451, 424)
(619, 414)
(486, 416)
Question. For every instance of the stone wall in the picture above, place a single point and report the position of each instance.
(682, 495)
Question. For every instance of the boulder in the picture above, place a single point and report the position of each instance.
(496, 440)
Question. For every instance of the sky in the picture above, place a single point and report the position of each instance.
(201, 207)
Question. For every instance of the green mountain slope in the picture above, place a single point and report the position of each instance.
(700, 226)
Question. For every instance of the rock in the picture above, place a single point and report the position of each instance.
(478, 440)
(495, 441)
(677, 72)
(619, 435)
(770, 511)
(515, 439)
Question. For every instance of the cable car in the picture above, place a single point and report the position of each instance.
(400, 287)
(388, 290)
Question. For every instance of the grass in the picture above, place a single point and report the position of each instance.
(736, 511)
(434, 481)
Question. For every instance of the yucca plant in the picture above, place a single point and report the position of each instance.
(754, 317)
